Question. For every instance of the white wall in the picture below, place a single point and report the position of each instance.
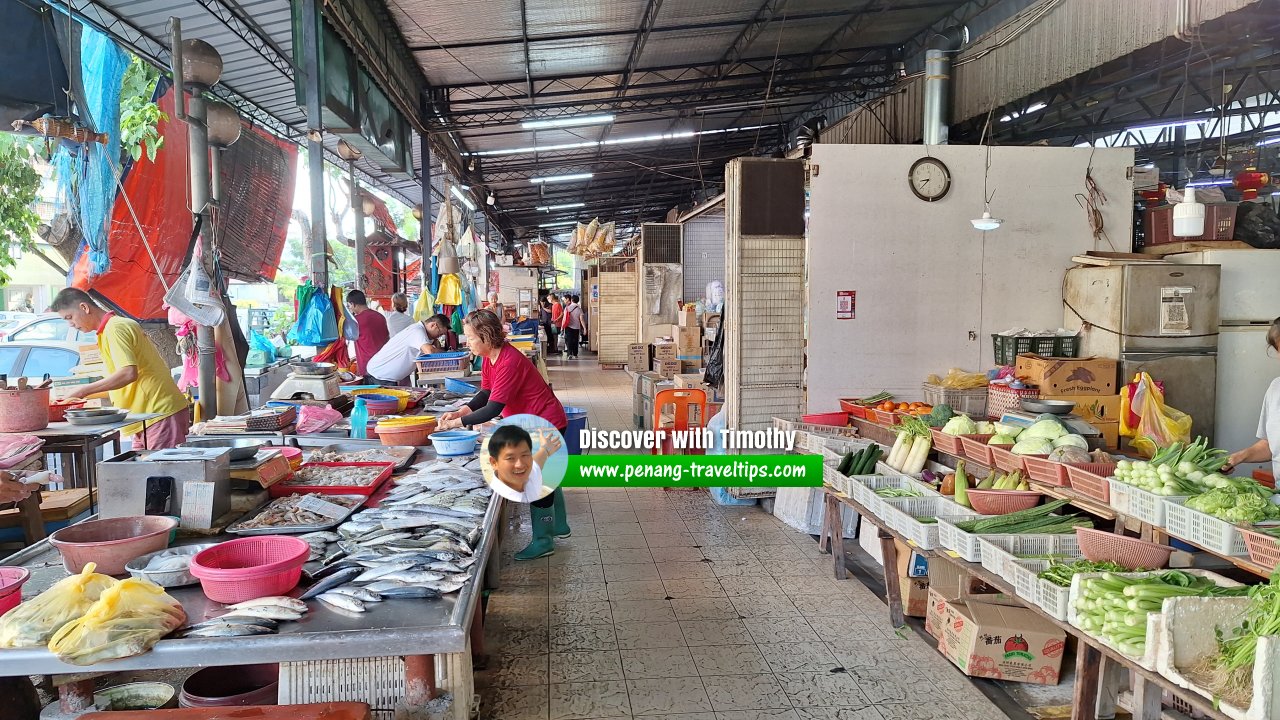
(925, 279)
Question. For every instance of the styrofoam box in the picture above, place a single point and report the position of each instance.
(1188, 633)
(871, 483)
(968, 545)
(1148, 659)
(1139, 504)
(869, 541)
(1202, 529)
(1000, 556)
(900, 514)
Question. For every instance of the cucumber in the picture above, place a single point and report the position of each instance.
(868, 464)
(846, 463)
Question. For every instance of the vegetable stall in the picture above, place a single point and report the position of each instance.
(1102, 545)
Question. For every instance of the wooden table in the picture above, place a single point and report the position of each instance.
(26, 513)
(1092, 658)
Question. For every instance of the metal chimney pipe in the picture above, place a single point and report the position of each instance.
(937, 83)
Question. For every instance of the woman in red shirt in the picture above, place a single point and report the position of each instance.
(510, 385)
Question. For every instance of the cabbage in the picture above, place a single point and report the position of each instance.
(1072, 440)
(1048, 429)
(1000, 440)
(1011, 431)
(1069, 454)
(960, 425)
(986, 428)
(1032, 446)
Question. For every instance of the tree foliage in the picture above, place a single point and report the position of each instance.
(19, 188)
(138, 114)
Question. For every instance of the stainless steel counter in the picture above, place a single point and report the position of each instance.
(392, 627)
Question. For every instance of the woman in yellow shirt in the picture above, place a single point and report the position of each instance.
(137, 377)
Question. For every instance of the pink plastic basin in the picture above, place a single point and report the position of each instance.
(11, 580)
(111, 543)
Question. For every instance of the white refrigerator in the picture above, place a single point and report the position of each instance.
(1249, 300)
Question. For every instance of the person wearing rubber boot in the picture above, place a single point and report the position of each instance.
(511, 385)
(517, 468)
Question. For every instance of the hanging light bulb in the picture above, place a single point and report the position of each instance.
(491, 200)
(1188, 215)
(986, 222)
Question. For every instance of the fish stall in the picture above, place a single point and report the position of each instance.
(364, 553)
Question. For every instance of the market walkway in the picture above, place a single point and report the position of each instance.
(665, 605)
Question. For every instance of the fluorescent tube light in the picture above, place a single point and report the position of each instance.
(561, 223)
(566, 206)
(1208, 183)
(1034, 107)
(678, 135)
(1165, 126)
(574, 121)
(561, 178)
(1269, 141)
(457, 192)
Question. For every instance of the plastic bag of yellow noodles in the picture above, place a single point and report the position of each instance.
(32, 623)
(127, 620)
(958, 379)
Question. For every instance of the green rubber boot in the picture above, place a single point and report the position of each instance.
(561, 517)
(542, 544)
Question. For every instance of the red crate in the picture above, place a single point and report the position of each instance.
(946, 443)
(1007, 461)
(885, 417)
(833, 419)
(280, 489)
(1001, 399)
(975, 448)
(1219, 224)
(1046, 471)
(1090, 479)
(1263, 549)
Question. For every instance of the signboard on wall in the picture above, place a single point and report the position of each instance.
(846, 304)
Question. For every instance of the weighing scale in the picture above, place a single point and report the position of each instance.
(315, 387)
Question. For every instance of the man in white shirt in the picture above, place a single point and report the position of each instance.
(393, 364)
(398, 319)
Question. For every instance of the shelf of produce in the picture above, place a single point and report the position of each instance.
(1090, 505)
(1090, 674)
(874, 431)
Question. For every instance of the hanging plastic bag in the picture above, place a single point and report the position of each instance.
(425, 307)
(350, 328)
(127, 620)
(450, 290)
(258, 341)
(1158, 425)
(317, 325)
(32, 623)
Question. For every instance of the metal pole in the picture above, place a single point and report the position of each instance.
(937, 83)
(357, 206)
(315, 151)
(198, 163)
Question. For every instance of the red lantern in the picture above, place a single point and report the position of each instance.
(1249, 181)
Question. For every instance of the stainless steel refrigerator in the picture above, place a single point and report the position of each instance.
(1160, 318)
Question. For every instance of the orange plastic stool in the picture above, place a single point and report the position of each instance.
(683, 400)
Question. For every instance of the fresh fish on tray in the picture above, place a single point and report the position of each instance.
(342, 602)
(282, 601)
(342, 577)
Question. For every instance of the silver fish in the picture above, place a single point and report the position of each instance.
(228, 630)
(445, 587)
(359, 593)
(341, 577)
(275, 600)
(236, 619)
(322, 536)
(342, 602)
(271, 612)
(384, 539)
(411, 591)
(444, 567)
(414, 577)
(384, 570)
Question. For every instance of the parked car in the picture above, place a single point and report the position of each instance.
(47, 327)
(34, 360)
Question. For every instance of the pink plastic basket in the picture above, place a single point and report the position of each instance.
(1090, 479)
(885, 417)
(249, 568)
(1046, 471)
(1007, 461)
(1002, 502)
(1263, 549)
(975, 448)
(946, 443)
(1103, 546)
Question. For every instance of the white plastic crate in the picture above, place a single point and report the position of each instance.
(842, 445)
(1000, 556)
(1054, 599)
(969, 545)
(1202, 529)
(1148, 659)
(869, 484)
(900, 514)
(1189, 633)
(1140, 504)
(833, 478)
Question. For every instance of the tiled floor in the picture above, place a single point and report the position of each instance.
(665, 605)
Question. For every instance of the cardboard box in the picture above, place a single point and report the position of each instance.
(711, 320)
(1068, 376)
(690, 366)
(666, 368)
(687, 318)
(993, 641)
(945, 580)
(665, 351)
(1092, 409)
(938, 614)
(638, 357)
(647, 384)
(1110, 434)
(688, 381)
(689, 340)
(90, 354)
(913, 580)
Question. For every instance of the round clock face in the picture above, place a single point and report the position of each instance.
(930, 179)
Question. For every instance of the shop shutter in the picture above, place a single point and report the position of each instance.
(619, 308)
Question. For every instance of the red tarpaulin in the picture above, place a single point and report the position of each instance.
(158, 193)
